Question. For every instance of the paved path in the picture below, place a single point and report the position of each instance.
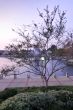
(35, 82)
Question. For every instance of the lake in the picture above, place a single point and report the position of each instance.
(5, 61)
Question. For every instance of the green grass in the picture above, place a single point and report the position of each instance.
(13, 91)
(43, 89)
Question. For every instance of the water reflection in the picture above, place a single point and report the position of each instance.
(4, 62)
(67, 69)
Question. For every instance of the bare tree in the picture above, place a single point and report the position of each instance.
(49, 32)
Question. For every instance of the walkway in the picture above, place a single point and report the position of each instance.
(35, 82)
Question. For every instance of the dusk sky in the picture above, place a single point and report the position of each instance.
(14, 13)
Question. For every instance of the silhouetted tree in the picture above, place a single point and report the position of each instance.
(51, 28)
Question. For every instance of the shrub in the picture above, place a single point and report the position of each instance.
(7, 93)
(52, 100)
(40, 101)
(64, 96)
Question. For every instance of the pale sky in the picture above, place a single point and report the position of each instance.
(14, 13)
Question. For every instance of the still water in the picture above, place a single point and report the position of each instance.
(5, 61)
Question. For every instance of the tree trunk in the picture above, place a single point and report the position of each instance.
(46, 86)
(46, 83)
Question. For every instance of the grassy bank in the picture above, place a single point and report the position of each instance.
(43, 89)
(13, 91)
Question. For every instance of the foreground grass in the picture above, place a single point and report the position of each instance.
(43, 89)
